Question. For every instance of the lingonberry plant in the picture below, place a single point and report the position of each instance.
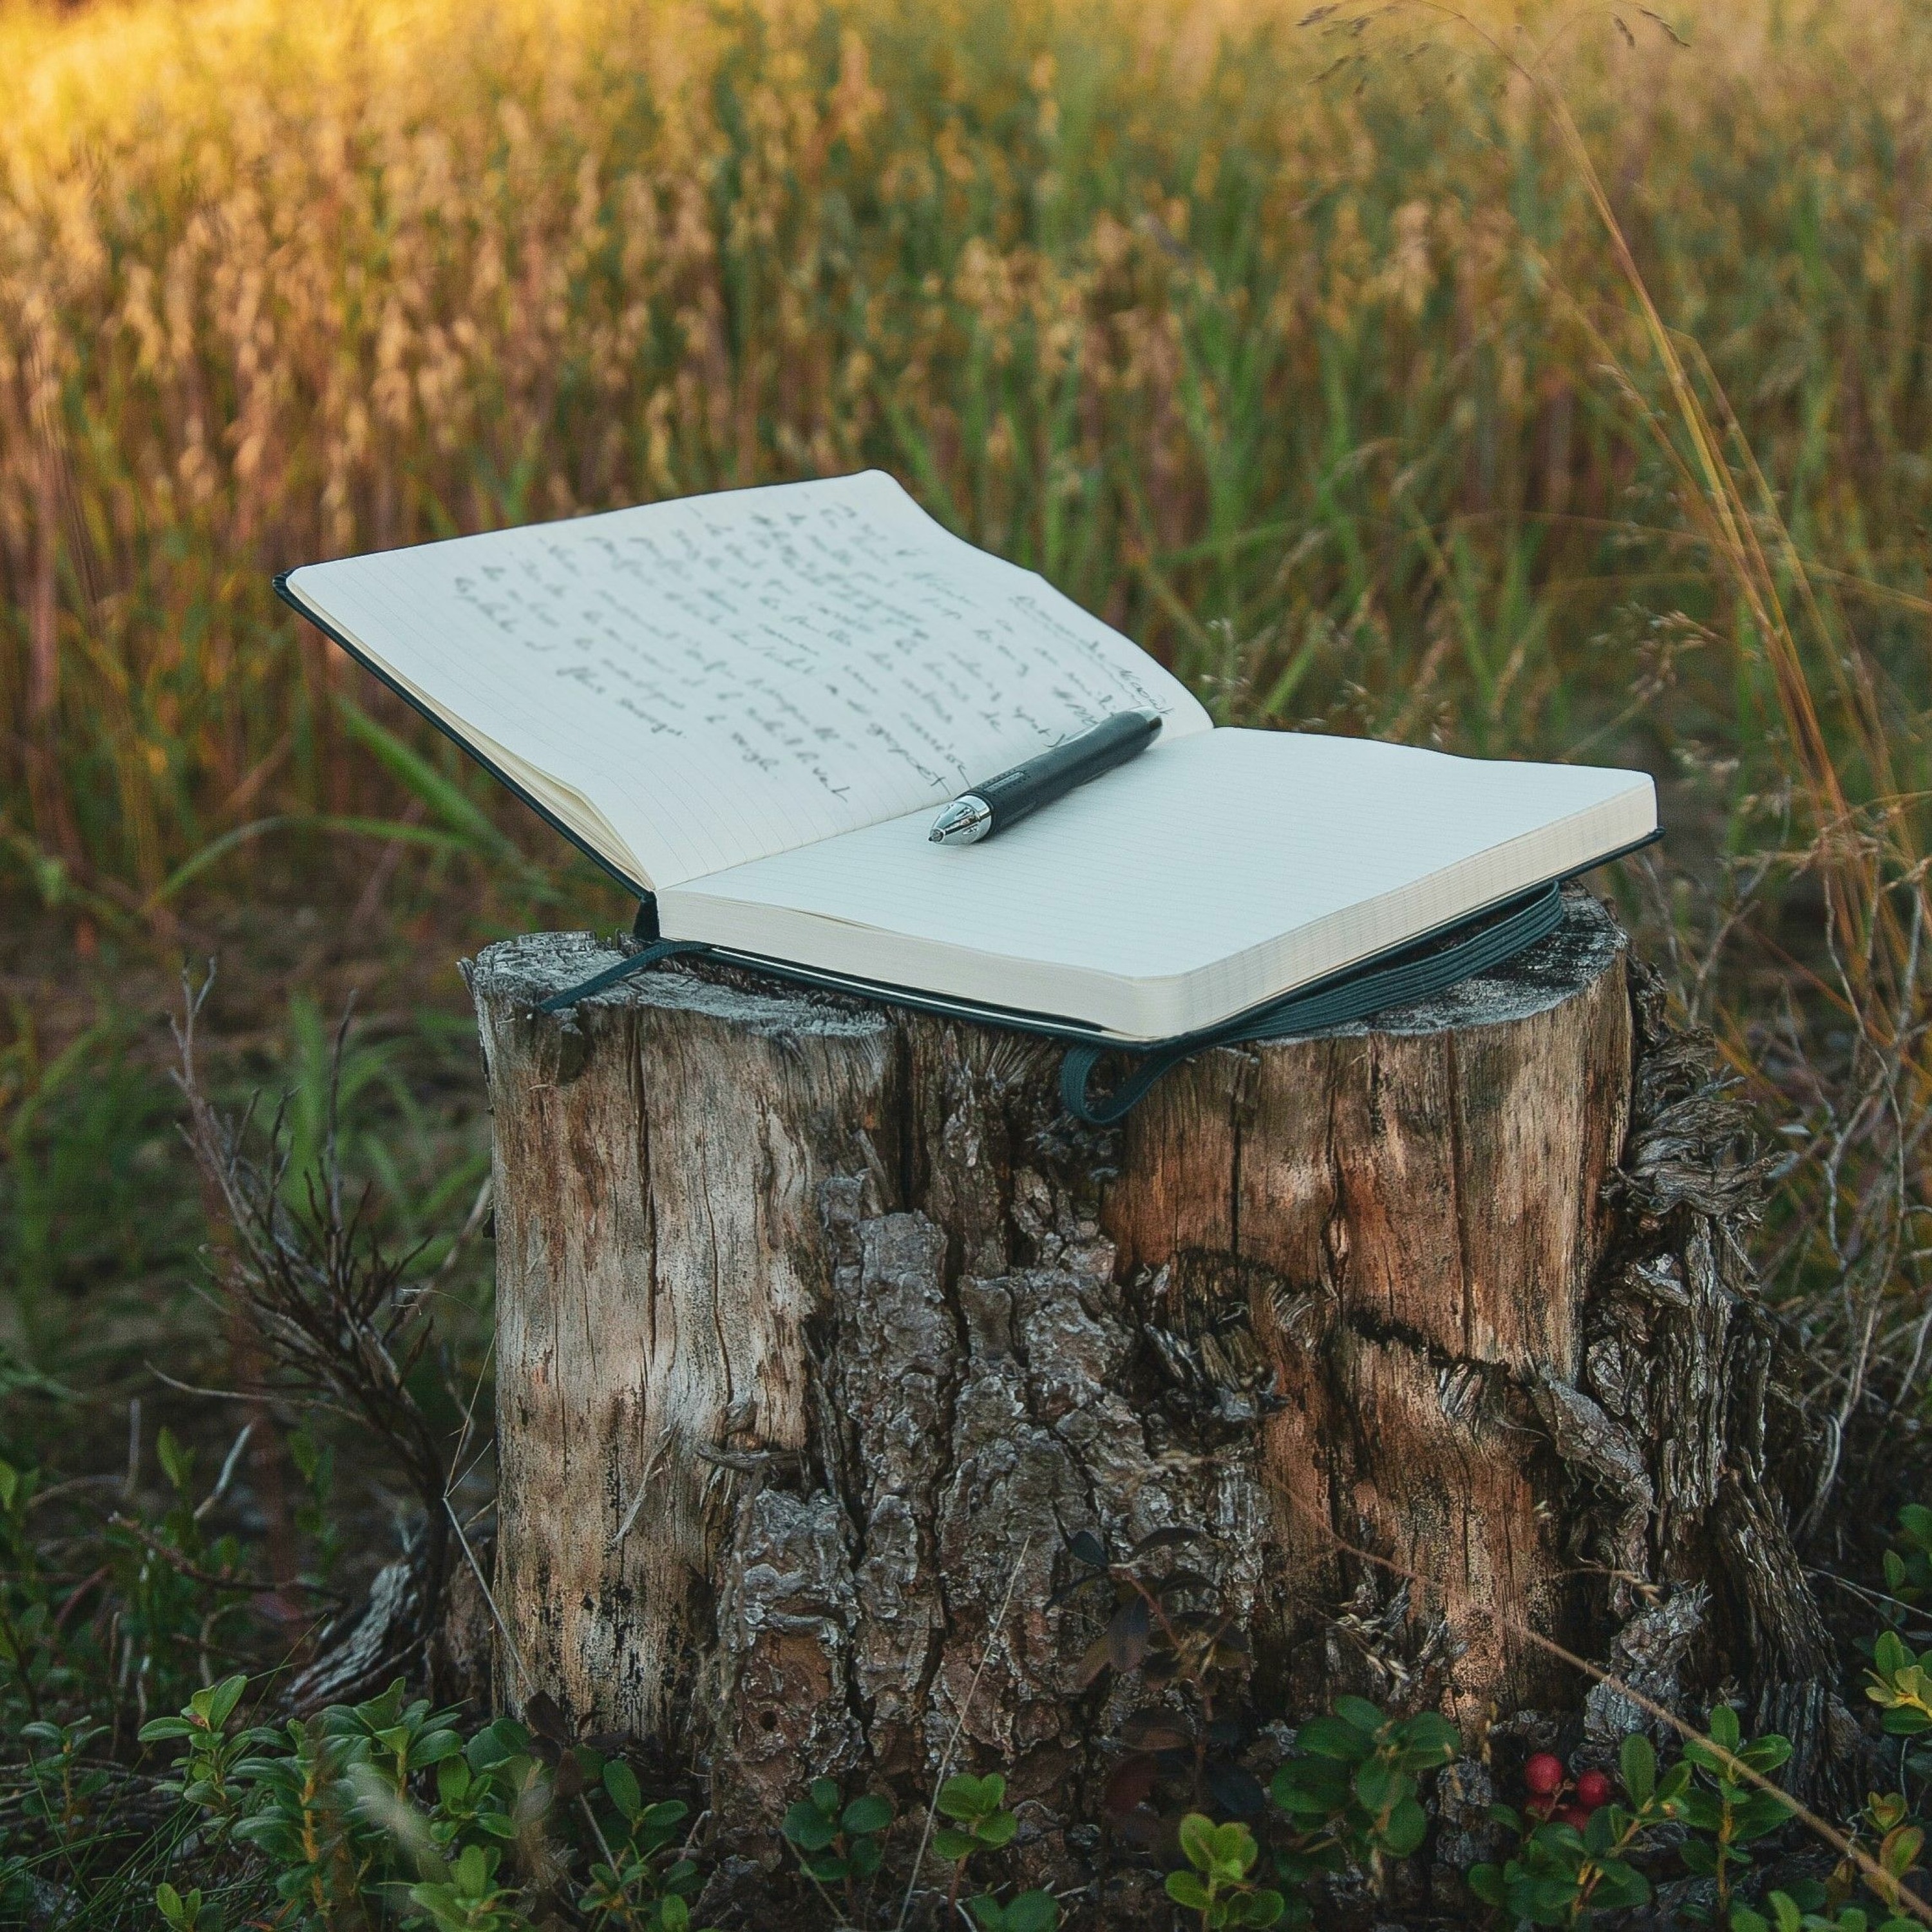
(1215, 1886)
(1351, 1791)
(1563, 1871)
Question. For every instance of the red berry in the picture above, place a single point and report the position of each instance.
(1593, 1788)
(1574, 1814)
(1543, 1774)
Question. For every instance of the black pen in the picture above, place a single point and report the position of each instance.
(1003, 801)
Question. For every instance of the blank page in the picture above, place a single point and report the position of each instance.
(1207, 876)
(691, 685)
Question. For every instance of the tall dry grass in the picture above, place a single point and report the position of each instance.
(1566, 392)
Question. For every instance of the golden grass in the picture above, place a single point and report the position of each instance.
(1295, 377)
(1567, 394)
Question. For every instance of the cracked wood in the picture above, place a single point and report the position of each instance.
(822, 1331)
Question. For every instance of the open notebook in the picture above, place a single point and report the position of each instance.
(752, 703)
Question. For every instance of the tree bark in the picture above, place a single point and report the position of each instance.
(826, 1341)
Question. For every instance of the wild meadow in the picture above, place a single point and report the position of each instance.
(1526, 380)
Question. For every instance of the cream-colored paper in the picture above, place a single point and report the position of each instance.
(1209, 875)
(692, 685)
(755, 701)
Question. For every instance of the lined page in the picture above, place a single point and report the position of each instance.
(1209, 875)
(689, 686)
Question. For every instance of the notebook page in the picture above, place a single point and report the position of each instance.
(728, 676)
(1211, 874)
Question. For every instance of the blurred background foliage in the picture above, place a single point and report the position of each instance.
(1283, 346)
(1296, 343)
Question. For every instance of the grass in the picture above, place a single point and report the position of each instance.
(1527, 381)
(1301, 379)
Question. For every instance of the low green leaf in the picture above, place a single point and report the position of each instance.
(620, 1784)
(1429, 1738)
(223, 1700)
(1621, 1885)
(1636, 1764)
(1408, 1824)
(1360, 1716)
(961, 1796)
(809, 1828)
(1379, 1784)
(433, 1748)
(1032, 1912)
(868, 1814)
(1333, 1738)
(1187, 1891)
(177, 1462)
(1197, 1840)
(1700, 1859)
(1486, 1881)
(1766, 1753)
(1318, 1785)
(1234, 1847)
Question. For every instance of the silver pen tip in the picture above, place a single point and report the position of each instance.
(964, 822)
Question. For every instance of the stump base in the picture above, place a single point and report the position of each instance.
(831, 1353)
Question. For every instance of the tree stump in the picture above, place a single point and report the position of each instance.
(831, 1353)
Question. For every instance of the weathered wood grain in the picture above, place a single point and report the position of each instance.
(822, 1331)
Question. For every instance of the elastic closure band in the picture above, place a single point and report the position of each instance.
(1346, 997)
(1399, 983)
(638, 962)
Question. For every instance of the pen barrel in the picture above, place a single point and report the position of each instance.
(1015, 794)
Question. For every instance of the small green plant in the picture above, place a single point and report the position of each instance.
(1886, 1830)
(185, 1912)
(1351, 1789)
(1908, 1566)
(468, 1898)
(1783, 1913)
(980, 1822)
(490, 1790)
(642, 1884)
(304, 1820)
(1562, 1874)
(1028, 1912)
(61, 1789)
(204, 1772)
(1168, 1625)
(384, 1813)
(1728, 1812)
(1901, 1685)
(1215, 1883)
(837, 1843)
(395, 1739)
